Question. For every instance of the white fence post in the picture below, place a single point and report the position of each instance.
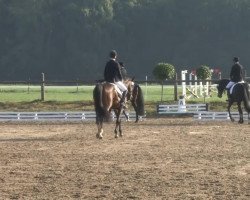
(183, 79)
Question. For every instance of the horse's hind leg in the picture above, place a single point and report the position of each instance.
(100, 130)
(240, 113)
(229, 112)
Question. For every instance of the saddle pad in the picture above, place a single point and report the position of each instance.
(231, 89)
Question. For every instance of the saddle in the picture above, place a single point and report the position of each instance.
(121, 96)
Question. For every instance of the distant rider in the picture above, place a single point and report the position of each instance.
(236, 75)
(112, 74)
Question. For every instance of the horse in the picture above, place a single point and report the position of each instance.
(240, 92)
(135, 96)
(106, 99)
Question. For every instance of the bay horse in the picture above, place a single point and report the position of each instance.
(240, 93)
(106, 99)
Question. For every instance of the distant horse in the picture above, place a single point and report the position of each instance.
(106, 99)
(135, 96)
(240, 92)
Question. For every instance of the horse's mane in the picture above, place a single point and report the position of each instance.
(223, 83)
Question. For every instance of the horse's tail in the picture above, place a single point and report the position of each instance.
(101, 113)
(246, 98)
(140, 101)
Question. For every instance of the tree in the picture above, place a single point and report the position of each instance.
(163, 71)
(71, 39)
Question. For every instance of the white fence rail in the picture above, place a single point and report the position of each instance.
(190, 108)
(218, 116)
(55, 116)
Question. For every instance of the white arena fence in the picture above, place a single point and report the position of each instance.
(174, 109)
(57, 116)
(218, 116)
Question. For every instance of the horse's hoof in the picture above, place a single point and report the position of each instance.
(98, 136)
(232, 120)
(241, 122)
(116, 135)
(121, 134)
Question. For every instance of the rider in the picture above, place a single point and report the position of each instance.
(236, 75)
(112, 74)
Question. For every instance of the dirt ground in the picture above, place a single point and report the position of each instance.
(166, 158)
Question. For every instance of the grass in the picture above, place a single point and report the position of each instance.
(75, 98)
(52, 93)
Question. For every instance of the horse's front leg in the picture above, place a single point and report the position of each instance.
(116, 127)
(120, 128)
(240, 113)
(126, 115)
(136, 113)
(229, 112)
(137, 118)
(118, 123)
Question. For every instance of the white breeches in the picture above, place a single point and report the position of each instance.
(120, 87)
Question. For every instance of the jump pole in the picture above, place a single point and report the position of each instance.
(191, 77)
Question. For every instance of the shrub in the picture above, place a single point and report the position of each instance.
(204, 72)
(163, 71)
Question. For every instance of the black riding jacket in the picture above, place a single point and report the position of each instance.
(112, 72)
(237, 73)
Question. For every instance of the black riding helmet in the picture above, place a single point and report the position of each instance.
(113, 54)
(236, 59)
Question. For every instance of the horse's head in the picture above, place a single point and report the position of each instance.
(221, 87)
(130, 86)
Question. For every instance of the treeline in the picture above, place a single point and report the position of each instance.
(70, 40)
